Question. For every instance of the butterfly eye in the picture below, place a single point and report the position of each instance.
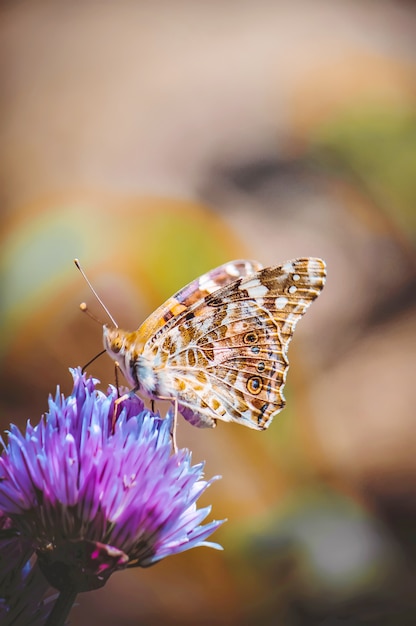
(116, 345)
(254, 384)
(251, 337)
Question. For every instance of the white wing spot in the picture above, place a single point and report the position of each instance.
(314, 279)
(296, 277)
(259, 291)
(292, 289)
(208, 285)
(232, 270)
(249, 269)
(288, 267)
(280, 302)
(316, 269)
(255, 289)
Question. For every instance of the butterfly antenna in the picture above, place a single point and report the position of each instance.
(84, 306)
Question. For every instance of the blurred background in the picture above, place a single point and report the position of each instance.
(155, 141)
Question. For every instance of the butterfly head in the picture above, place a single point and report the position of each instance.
(126, 349)
(114, 340)
(118, 346)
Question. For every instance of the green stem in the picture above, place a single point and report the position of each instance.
(62, 608)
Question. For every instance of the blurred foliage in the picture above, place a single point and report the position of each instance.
(375, 146)
(326, 557)
(137, 252)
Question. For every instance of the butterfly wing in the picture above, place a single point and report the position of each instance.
(165, 316)
(226, 354)
(142, 353)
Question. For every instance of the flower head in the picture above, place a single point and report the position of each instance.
(94, 495)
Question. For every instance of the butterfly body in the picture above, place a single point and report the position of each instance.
(218, 348)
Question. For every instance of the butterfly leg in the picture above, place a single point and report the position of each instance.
(120, 399)
(174, 421)
(116, 369)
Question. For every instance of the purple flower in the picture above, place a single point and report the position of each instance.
(93, 495)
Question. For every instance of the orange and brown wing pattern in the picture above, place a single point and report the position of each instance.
(194, 293)
(226, 356)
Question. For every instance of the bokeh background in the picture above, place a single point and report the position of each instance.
(156, 140)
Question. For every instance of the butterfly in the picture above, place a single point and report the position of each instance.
(218, 348)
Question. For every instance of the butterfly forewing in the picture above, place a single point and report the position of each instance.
(225, 353)
(180, 303)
